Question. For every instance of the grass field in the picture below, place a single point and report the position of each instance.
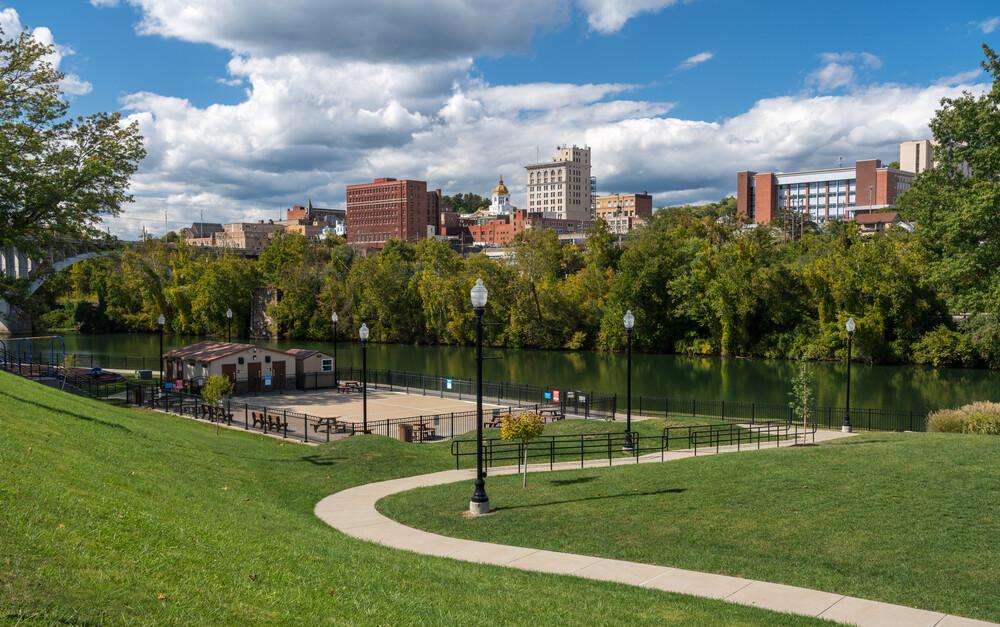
(111, 515)
(906, 518)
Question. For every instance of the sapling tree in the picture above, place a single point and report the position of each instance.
(803, 393)
(215, 390)
(522, 428)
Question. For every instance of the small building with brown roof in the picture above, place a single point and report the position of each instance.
(313, 368)
(252, 368)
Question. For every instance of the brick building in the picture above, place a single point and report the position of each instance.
(387, 209)
(624, 212)
(820, 195)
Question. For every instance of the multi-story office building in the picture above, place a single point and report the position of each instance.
(623, 212)
(916, 156)
(249, 237)
(820, 195)
(387, 209)
(560, 188)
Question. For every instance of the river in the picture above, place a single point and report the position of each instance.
(913, 388)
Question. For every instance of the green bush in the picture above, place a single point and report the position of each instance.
(943, 347)
(982, 418)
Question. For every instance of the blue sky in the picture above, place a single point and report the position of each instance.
(459, 100)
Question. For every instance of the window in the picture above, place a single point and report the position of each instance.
(267, 359)
(326, 365)
(240, 361)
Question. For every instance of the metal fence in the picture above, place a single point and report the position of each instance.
(306, 427)
(611, 445)
(862, 418)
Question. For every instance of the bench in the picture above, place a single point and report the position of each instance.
(258, 419)
(424, 431)
(276, 422)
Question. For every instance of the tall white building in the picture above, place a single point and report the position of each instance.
(500, 201)
(561, 188)
(916, 156)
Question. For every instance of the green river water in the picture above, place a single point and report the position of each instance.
(912, 388)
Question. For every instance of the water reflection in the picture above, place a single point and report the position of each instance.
(897, 387)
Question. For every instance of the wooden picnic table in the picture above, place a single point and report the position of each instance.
(424, 430)
(553, 414)
(330, 424)
(350, 386)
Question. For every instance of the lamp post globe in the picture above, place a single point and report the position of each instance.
(479, 503)
(229, 325)
(363, 335)
(629, 321)
(160, 322)
(850, 327)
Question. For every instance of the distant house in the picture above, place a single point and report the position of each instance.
(252, 368)
(881, 221)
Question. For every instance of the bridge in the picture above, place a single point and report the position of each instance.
(59, 255)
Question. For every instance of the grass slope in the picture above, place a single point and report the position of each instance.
(109, 515)
(905, 518)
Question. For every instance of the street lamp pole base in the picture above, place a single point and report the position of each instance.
(478, 509)
(845, 429)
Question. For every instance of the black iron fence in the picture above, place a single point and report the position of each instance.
(612, 445)
(862, 418)
(306, 427)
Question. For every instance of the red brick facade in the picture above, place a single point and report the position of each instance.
(388, 209)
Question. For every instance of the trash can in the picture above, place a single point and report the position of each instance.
(406, 433)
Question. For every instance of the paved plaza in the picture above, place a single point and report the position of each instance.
(347, 407)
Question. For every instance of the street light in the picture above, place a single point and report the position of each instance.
(334, 318)
(229, 325)
(846, 428)
(160, 322)
(480, 503)
(363, 334)
(629, 321)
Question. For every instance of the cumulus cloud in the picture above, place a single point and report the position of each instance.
(608, 16)
(372, 30)
(73, 85)
(694, 60)
(990, 25)
(840, 70)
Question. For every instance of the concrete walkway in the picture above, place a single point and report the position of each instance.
(353, 512)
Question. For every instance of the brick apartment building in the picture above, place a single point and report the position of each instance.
(388, 208)
(623, 212)
(821, 195)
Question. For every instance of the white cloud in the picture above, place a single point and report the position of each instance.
(230, 82)
(694, 60)
(608, 16)
(990, 25)
(73, 85)
(961, 78)
(104, 3)
(840, 70)
(372, 30)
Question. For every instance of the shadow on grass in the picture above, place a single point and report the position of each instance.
(573, 481)
(56, 410)
(594, 498)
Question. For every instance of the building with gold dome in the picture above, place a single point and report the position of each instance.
(500, 201)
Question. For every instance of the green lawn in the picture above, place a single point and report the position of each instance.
(111, 515)
(906, 518)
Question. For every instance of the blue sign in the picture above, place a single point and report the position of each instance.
(267, 381)
(168, 386)
(548, 396)
(447, 382)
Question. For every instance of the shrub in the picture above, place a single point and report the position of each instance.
(942, 347)
(946, 421)
(981, 417)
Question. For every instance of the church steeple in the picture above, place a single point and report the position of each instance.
(500, 201)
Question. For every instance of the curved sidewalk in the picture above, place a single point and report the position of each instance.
(353, 512)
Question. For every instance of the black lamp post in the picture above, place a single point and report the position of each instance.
(334, 318)
(160, 322)
(363, 334)
(229, 325)
(629, 321)
(480, 503)
(846, 428)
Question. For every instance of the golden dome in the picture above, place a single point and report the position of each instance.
(501, 189)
